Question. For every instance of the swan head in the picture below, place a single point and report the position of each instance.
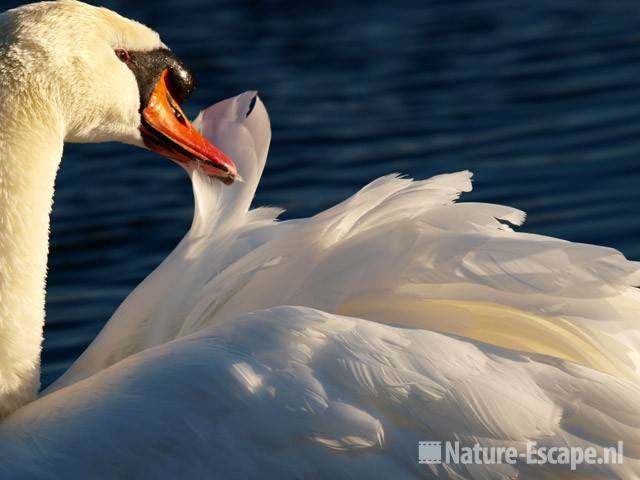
(109, 79)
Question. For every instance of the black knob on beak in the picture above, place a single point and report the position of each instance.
(148, 67)
(181, 81)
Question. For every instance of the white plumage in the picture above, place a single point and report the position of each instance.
(329, 346)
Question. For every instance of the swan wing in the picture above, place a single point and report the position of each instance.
(403, 252)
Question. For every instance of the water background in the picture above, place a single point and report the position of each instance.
(541, 100)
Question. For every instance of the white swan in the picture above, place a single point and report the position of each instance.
(322, 347)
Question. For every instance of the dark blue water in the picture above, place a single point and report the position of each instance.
(540, 99)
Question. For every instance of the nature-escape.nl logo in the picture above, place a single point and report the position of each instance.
(534, 454)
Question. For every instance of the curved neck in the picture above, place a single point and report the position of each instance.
(31, 142)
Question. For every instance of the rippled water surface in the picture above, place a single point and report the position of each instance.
(540, 99)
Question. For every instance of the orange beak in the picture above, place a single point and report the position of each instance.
(166, 130)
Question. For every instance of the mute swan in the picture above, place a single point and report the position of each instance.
(321, 347)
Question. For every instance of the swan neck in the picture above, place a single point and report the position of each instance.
(31, 144)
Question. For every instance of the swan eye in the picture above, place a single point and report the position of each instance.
(123, 55)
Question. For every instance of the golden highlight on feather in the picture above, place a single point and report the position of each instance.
(493, 324)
